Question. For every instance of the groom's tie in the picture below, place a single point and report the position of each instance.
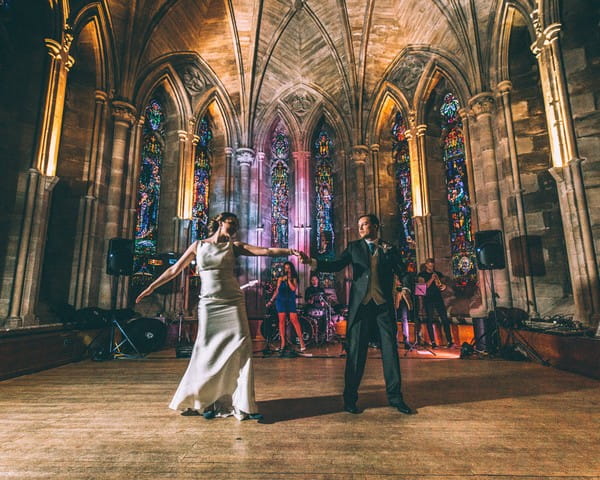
(372, 247)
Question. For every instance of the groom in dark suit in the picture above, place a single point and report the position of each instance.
(374, 263)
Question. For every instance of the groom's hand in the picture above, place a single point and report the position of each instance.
(304, 258)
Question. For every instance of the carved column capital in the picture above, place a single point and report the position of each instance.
(465, 114)
(228, 151)
(182, 135)
(543, 36)
(60, 51)
(375, 147)
(245, 156)
(420, 130)
(482, 104)
(260, 156)
(123, 112)
(101, 96)
(412, 118)
(360, 153)
(504, 87)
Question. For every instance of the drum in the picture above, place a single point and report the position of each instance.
(306, 325)
(315, 312)
(147, 334)
(269, 328)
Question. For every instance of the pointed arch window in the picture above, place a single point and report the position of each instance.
(280, 185)
(324, 194)
(401, 158)
(148, 194)
(202, 171)
(459, 209)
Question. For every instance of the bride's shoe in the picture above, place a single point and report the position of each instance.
(209, 414)
(190, 412)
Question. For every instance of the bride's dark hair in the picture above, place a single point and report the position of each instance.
(213, 223)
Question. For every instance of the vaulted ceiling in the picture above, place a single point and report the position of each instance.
(261, 52)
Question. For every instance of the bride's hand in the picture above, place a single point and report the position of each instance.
(145, 293)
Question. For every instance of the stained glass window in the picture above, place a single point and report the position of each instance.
(280, 183)
(201, 181)
(459, 209)
(148, 196)
(401, 156)
(323, 151)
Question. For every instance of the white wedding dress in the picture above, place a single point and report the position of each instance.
(219, 376)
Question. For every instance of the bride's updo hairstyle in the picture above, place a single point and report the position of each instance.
(213, 224)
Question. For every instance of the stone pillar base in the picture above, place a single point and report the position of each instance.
(13, 322)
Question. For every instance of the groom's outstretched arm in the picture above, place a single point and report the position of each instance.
(334, 265)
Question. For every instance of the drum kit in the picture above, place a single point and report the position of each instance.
(322, 316)
(318, 320)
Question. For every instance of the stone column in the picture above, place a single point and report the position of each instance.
(301, 223)
(229, 179)
(245, 158)
(375, 203)
(124, 119)
(504, 89)
(360, 153)
(466, 115)
(83, 250)
(488, 194)
(187, 142)
(41, 181)
(566, 171)
(420, 192)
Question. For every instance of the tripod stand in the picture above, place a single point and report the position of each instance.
(114, 350)
(514, 341)
(414, 346)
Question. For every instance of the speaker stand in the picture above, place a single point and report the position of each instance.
(513, 338)
(114, 347)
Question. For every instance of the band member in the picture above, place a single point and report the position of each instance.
(432, 300)
(404, 306)
(284, 297)
(374, 264)
(313, 293)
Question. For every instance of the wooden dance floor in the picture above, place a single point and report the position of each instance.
(486, 419)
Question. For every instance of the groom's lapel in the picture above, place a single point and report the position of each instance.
(364, 251)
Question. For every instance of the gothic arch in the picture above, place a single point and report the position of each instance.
(328, 111)
(501, 39)
(389, 98)
(106, 66)
(436, 70)
(278, 112)
(167, 78)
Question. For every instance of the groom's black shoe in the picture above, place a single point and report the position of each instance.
(351, 408)
(402, 407)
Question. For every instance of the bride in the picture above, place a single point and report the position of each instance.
(219, 379)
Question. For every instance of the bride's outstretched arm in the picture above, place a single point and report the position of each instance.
(255, 251)
(171, 272)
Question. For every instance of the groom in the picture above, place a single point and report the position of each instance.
(374, 263)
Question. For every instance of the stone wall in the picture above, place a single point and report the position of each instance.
(580, 43)
(544, 231)
(23, 72)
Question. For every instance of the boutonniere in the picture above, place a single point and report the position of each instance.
(385, 246)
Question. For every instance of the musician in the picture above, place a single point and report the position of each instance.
(284, 297)
(432, 300)
(313, 293)
(404, 303)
